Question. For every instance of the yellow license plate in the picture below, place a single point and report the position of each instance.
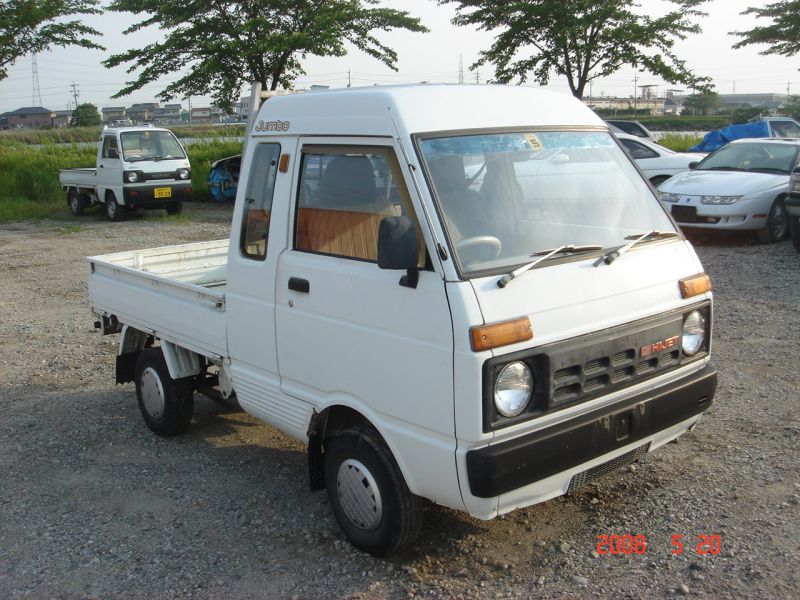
(162, 192)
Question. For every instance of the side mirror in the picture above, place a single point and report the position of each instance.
(693, 164)
(397, 247)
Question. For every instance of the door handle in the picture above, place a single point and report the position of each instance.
(298, 284)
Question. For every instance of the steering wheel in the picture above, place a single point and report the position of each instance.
(491, 243)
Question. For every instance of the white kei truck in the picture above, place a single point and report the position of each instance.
(137, 167)
(465, 294)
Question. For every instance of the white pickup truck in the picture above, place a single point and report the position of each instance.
(466, 294)
(137, 167)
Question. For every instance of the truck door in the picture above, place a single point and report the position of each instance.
(258, 235)
(109, 168)
(348, 332)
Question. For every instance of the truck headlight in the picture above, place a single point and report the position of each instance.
(795, 186)
(183, 173)
(694, 333)
(667, 197)
(719, 199)
(131, 176)
(512, 389)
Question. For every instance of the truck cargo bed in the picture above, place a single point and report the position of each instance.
(175, 292)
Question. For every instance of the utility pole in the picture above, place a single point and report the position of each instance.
(590, 90)
(37, 93)
(460, 68)
(477, 76)
(635, 93)
(348, 77)
(75, 94)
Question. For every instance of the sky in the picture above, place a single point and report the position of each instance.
(431, 57)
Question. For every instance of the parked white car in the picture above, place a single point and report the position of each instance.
(657, 162)
(741, 186)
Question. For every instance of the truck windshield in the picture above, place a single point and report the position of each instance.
(150, 145)
(506, 196)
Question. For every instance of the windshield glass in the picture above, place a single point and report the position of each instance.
(751, 156)
(150, 145)
(785, 129)
(505, 196)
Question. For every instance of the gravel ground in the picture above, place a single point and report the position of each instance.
(92, 505)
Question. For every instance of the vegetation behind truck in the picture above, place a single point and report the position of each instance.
(484, 308)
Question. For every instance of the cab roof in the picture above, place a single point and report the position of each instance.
(422, 108)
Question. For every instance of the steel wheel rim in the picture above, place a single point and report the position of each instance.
(152, 393)
(359, 495)
(779, 221)
(73, 203)
(111, 207)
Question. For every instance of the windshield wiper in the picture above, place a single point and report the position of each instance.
(544, 255)
(639, 237)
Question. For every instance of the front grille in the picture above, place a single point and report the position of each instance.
(161, 175)
(588, 370)
(590, 475)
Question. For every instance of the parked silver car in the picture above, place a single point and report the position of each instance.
(741, 186)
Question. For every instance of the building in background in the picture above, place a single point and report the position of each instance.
(30, 117)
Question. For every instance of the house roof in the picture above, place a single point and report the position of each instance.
(30, 110)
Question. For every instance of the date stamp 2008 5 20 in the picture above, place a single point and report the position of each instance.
(627, 544)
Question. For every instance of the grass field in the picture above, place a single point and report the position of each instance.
(29, 187)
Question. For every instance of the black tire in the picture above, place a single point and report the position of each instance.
(167, 404)
(393, 516)
(777, 226)
(794, 230)
(114, 211)
(176, 208)
(77, 203)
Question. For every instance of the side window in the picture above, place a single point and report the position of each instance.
(110, 149)
(638, 150)
(344, 193)
(258, 201)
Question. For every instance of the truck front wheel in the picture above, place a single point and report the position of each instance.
(114, 211)
(166, 404)
(176, 208)
(77, 203)
(794, 229)
(369, 496)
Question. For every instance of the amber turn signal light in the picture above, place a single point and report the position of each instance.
(695, 285)
(486, 337)
(283, 163)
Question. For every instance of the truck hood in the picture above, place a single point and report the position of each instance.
(722, 183)
(574, 298)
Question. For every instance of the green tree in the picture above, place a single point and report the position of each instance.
(704, 104)
(783, 33)
(85, 115)
(580, 39)
(219, 46)
(792, 108)
(744, 113)
(29, 26)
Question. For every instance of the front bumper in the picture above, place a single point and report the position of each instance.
(792, 204)
(143, 196)
(501, 468)
(745, 215)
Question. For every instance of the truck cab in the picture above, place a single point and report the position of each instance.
(483, 308)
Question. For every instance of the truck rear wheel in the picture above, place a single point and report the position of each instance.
(77, 203)
(370, 498)
(166, 404)
(114, 211)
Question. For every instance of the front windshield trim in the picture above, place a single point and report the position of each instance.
(465, 274)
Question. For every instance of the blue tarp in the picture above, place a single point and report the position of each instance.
(720, 137)
(224, 178)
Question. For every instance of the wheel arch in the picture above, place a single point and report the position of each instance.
(326, 423)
